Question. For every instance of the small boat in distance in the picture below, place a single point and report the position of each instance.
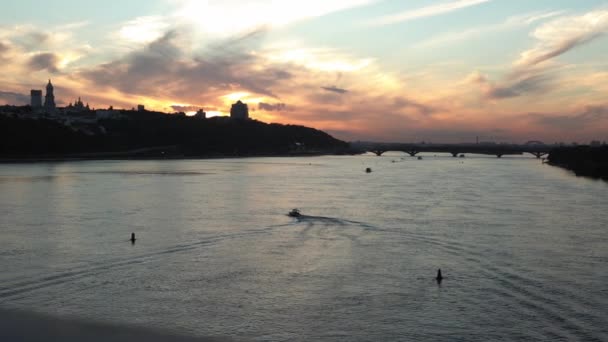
(294, 213)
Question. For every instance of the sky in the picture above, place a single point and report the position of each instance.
(395, 70)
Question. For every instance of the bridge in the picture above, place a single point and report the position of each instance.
(535, 148)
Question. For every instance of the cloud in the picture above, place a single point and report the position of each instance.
(526, 84)
(588, 117)
(162, 68)
(14, 98)
(532, 74)
(231, 17)
(477, 77)
(185, 108)
(420, 107)
(37, 38)
(144, 29)
(322, 59)
(335, 89)
(472, 33)
(375, 117)
(564, 34)
(29, 49)
(33, 39)
(44, 61)
(429, 11)
(4, 47)
(272, 107)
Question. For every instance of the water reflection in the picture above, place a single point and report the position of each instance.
(520, 246)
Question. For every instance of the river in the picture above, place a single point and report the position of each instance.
(523, 247)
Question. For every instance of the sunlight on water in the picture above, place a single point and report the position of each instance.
(523, 247)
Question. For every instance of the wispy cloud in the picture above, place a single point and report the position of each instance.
(510, 23)
(324, 59)
(424, 12)
(270, 107)
(335, 89)
(185, 108)
(13, 98)
(587, 117)
(514, 86)
(143, 29)
(535, 72)
(230, 17)
(564, 34)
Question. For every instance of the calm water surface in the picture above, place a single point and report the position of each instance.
(523, 247)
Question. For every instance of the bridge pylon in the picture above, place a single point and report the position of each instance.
(539, 155)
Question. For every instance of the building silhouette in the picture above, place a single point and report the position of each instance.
(49, 99)
(78, 104)
(239, 111)
(77, 107)
(36, 99)
(200, 114)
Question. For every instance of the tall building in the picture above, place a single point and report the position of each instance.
(200, 114)
(239, 111)
(49, 99)
(36, 99)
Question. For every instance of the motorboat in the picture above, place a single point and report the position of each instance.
(294, 213)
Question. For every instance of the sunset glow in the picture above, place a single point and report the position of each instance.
(443, 71)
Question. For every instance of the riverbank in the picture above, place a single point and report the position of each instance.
(584, 161)
(159, 137)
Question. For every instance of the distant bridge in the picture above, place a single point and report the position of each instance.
(535, 148)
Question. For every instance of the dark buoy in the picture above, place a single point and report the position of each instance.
(368, 170)
(439, 277)
(132, 237)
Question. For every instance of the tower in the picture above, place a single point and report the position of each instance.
(49, 99)
(200, 114)
(36, 99)
(239, 111)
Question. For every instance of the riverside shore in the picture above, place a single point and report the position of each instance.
(155, 156)
(584, 161)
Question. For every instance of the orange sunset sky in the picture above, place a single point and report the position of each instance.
(440, 71)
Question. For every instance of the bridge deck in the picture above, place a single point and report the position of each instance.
(455, 150)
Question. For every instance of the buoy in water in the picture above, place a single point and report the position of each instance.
(132, 238)
(368, 170)
(439, 277)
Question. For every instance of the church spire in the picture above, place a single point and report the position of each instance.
(49, 99)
